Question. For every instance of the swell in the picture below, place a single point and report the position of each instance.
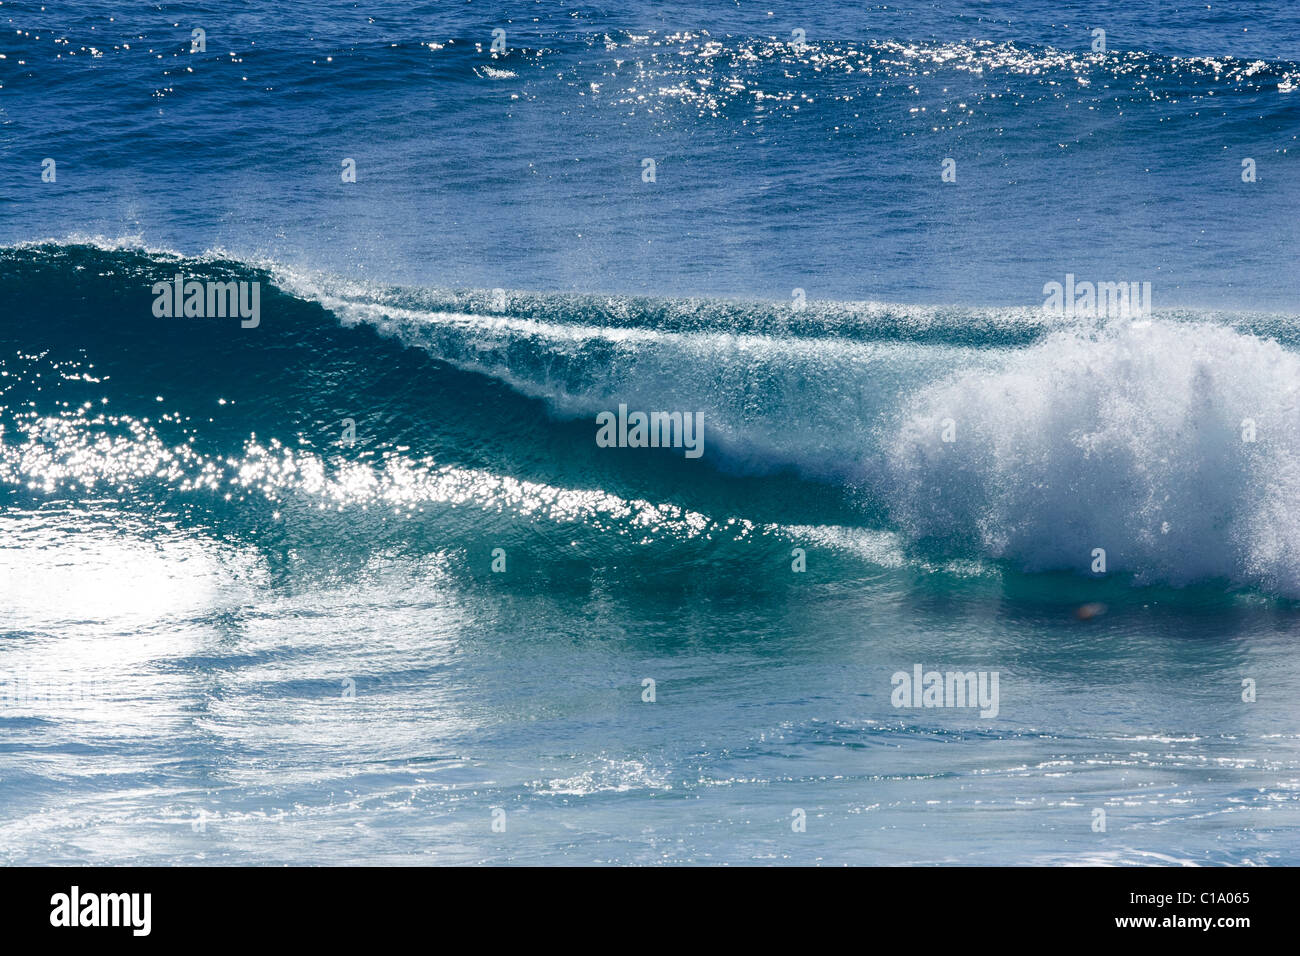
(896, 435)
(239, 434)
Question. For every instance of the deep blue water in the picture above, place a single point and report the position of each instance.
(231, 631)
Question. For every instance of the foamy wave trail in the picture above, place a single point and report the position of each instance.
(1173, 443)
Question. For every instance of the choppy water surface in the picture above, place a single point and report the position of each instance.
(234, 631)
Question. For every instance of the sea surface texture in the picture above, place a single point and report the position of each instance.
(351, 576)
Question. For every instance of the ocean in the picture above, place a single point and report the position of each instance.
(313, 550)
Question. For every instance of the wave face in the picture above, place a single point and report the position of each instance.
(894, 435)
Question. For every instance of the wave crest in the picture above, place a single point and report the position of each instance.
(1176, 448)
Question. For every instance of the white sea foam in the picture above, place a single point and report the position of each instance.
(1132, 440)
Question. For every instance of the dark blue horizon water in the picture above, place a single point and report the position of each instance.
(776, 169)
(234, 632)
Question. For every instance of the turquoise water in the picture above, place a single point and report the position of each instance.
(357, 583)
(230, 637)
